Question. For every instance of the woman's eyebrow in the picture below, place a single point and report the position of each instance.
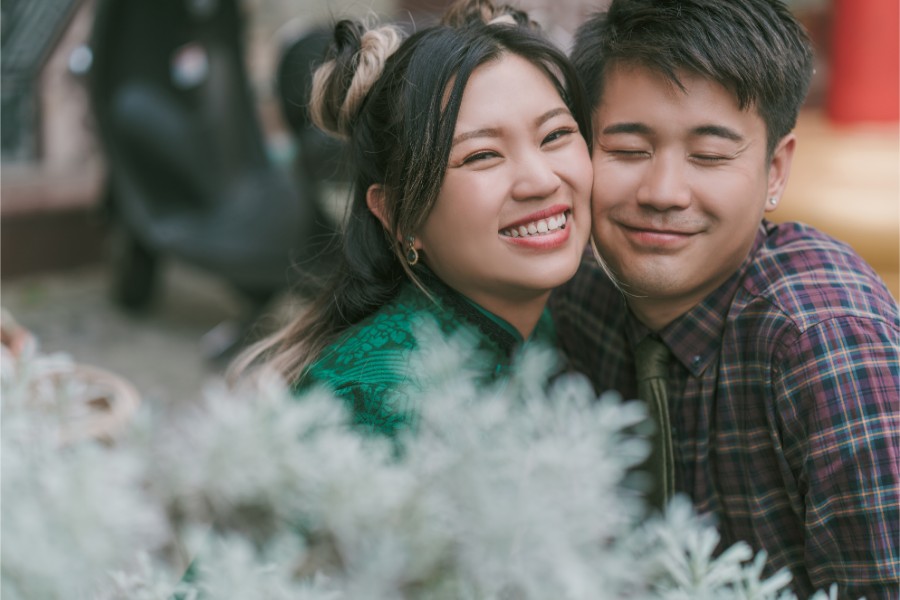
(550, 114)
(496, 132)
(485, 132)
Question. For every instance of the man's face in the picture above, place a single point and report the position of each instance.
(681, 181)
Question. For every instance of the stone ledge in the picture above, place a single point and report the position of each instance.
(29, 189)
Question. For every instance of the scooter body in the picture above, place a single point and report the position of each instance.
(189, 174)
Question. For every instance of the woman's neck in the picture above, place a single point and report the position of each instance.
(521, 309)
(523, 313)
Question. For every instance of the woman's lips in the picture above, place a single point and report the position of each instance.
(542, 225)
(550, 230)
(552, 211)
(542, 241)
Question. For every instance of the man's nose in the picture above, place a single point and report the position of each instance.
(664, 185)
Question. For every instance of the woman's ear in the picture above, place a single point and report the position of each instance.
(375, 202)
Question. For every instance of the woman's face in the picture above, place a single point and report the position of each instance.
(512, 216)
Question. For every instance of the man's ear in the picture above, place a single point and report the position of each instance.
(375, 202)
(780, 170)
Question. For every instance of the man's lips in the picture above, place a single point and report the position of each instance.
(658, 237)
(657, 231)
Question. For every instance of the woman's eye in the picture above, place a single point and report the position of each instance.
(558, 134)
(478, 156)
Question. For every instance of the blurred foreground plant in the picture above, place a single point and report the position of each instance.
(506, 491)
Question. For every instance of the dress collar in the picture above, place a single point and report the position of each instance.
(498, 330)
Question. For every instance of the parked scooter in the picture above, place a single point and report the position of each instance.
(189, 174)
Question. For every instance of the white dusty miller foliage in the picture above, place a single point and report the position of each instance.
(507, 491)
(70, 514)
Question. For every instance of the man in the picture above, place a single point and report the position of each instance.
(777, 402)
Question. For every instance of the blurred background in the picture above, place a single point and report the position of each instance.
(160, 178)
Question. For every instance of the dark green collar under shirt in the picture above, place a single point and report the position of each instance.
(369, 364)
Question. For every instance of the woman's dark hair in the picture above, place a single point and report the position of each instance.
(754, 48)
(396, 105)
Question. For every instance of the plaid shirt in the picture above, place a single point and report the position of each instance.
(784, 403)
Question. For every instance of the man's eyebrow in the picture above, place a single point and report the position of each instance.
(718, 131)
(703, 130)
(638, 128)
(494, 132)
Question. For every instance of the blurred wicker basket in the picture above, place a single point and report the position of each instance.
(84, 402)
(98, 403)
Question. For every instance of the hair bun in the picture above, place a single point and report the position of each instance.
(486, 13)
(356, 61)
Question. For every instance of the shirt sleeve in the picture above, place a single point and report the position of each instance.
(838, 395)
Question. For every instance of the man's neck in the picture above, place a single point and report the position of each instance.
(656, 314)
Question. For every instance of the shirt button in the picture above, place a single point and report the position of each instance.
(696, 360)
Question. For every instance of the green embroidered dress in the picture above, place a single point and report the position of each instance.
(369, 365)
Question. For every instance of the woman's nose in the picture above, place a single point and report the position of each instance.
(535, 176)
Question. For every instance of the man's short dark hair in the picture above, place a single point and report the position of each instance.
(754, 48)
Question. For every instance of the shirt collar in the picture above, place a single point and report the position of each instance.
(694, 337)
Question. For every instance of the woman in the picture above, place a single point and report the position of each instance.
(470, 202)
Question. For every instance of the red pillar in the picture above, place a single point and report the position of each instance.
(864, 78)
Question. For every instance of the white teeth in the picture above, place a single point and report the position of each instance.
(537, 227)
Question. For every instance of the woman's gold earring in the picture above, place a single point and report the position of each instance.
(412, 255)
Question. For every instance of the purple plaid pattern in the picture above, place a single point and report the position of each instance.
(785, 403)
